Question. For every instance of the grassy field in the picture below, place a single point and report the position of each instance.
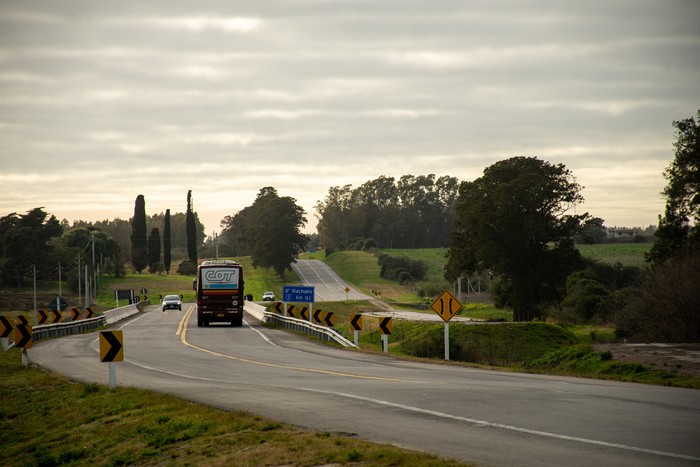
(627, 254)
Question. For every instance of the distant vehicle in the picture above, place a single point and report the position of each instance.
(269, 297)
(220, 293)
(172, 302)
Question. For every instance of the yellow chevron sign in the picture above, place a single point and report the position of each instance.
(111, 346)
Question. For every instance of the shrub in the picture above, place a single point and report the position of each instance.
(187, 268)
(396, 267)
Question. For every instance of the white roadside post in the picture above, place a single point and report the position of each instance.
(447, 341)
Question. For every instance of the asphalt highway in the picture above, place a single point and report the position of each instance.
(473, 415)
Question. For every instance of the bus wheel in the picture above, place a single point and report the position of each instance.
(199, 323)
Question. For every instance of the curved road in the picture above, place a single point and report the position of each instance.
(488, 417)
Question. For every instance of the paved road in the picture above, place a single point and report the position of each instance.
(328, 286)
(488, 417)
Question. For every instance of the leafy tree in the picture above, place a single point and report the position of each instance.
(513, 222)
(120, 231)
(234, 234)
(25, 240)
(154, 250)
(666, 307)
(166, 242)
(273, 228)
(587, 297)
(334, 230)
(191, 230)
(679, 228)
(592, 231)
(139, 245)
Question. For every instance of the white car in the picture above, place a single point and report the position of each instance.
(172, 302)
(269, 297)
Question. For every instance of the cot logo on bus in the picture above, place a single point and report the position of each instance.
(219, 276)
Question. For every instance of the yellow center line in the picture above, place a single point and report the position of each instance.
(182, 332)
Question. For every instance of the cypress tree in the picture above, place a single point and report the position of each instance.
(139, 246)
(166, 242)
(154, 250)
(191, 229)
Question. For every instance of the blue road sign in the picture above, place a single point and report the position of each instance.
(296, 293)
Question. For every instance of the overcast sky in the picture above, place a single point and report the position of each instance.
(103, 101)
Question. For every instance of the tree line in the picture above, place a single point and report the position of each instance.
(38, 243)
(411, 212)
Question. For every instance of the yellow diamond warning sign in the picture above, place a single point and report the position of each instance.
(446, 306)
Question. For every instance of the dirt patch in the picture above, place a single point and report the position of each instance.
(681, 358)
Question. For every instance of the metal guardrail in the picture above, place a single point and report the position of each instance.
(320, 332)
(45, 331)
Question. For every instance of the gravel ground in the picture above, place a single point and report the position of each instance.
(682, 358)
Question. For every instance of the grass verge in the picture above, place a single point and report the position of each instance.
(48, 420)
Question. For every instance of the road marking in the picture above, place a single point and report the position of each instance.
(182, 321)
(183, 339)
(264, 337)
(501, 426)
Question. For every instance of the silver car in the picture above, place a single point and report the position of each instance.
(172, 302)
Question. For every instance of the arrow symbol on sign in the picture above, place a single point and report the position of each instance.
(317, 316)
(56, 315)
(5, 327)
(43, 316)
(356, 322)
(328, 319)
(23, 336)
(304, 313)
(115, 346)
(385, 325)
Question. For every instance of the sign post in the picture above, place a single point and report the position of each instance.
(385, 329)
(446, 305)
(112, 350)
(356, 323)
(23, 338)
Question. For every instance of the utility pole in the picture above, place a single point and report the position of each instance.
(87, 288)
(36, 311)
